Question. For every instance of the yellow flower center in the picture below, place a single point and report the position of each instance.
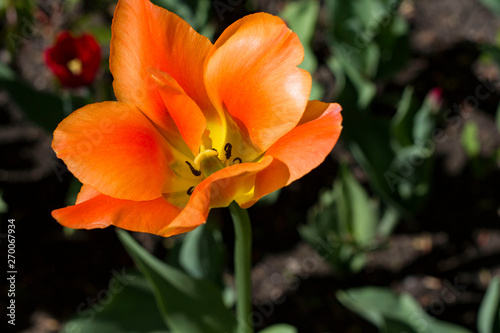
(208, 162)
(75, 66)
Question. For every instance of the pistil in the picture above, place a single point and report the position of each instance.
(208, 161)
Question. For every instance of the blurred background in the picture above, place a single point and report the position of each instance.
(398, 230)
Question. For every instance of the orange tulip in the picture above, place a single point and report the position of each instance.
(196, 125)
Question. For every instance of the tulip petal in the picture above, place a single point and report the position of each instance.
(96, 210)
(307, 145)
(252, 74)
(184, 111)
(147, 37)
(158, 216)
(115, 149)
(301, 150)
(219, 190)
(268, 180)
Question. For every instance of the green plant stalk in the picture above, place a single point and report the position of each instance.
(242, 266)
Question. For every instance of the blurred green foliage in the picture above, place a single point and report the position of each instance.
(3, 205)
(18, 20)
(390, 134)
(363, 35)
(192, 296)
(488, 320)
(470, 139)
(346, 224)
(128, 306)
(395, 153)
(493, 5)
(194, 12)
(202, 253)
(280, 328)
(393, 313)
(412, 146)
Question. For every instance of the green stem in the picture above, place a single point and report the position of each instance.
(67, 102)
(242, 266)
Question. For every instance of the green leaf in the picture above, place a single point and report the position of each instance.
(414, 168)
(393, 313)
(202, 254)
(366, 89)
(368, 138)
(3, 205)
(368, 11)
(74, 188)
(371, 60)
(401, 123)
(366, 33)
(424, 121)
(361, 213)
(340, 77)
(488, 318)
(388, 222)
(400, 173)
(317, 91)
(344, 224)
(470, 139)
(493, 5)
(101, 33)
(128, 305)
(410, 171)
(280, 328)
(269, 199)
(194, 12)
(301, 17)
(187, 304)
(181, 8)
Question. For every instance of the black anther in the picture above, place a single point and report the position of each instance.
(237, 159)
(193, 170)
(227, 149)
(190, 190)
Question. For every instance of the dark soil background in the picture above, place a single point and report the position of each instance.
(453, 241)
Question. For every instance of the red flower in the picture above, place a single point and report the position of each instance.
(74, 60)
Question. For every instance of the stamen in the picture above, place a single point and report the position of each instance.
(190, 190)
(227, 148)
(193, 170)
(237, 159)
(75, 66)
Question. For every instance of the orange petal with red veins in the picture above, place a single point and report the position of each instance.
(301, 150)
(115, 149)
(144, 37)
(252, 73)
(96, 210)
